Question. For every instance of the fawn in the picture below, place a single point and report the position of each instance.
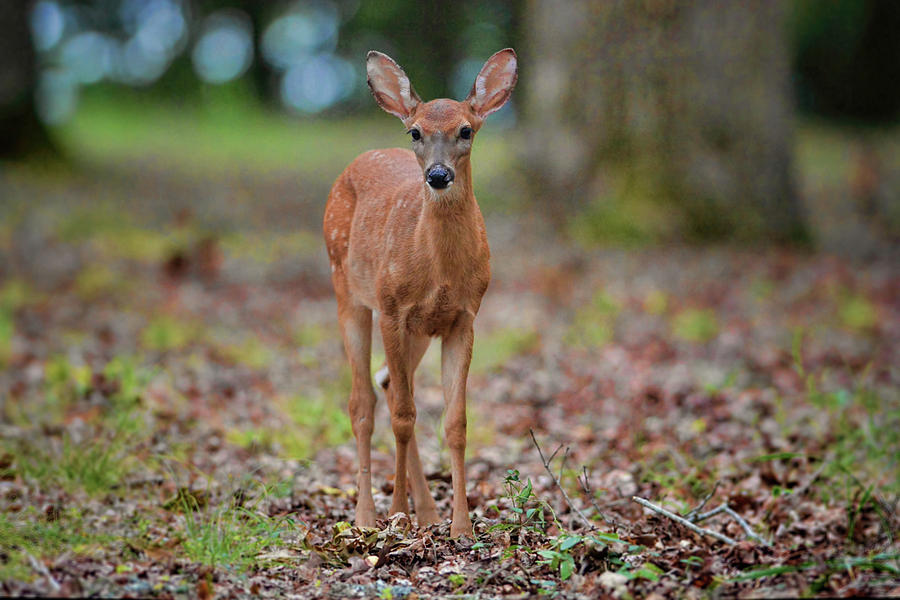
(406, 238)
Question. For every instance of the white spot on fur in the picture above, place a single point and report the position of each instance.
(381, 376)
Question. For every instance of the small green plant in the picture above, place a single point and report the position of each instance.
(528, 510)
(95, 467)
(31, 533)
(558, 556)
(646, 571)
(98, 462)
(694, 325)
(531, 516)
(229, 535)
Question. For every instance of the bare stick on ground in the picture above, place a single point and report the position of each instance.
(546, 463)
(724, 508)
(40, 568)
(691, 516)
(683, 521)
(694, 517)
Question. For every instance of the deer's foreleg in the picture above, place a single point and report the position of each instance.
(456, 354)
(397, 349)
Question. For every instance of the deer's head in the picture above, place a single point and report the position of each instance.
(442, 130)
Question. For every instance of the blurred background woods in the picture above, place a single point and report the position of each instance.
(635, 121)
(693, 208)
(682, 106)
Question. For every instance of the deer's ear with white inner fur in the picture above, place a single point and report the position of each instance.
(389, 84)
(494, 83)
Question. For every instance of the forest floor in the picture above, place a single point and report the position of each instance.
(173, 418)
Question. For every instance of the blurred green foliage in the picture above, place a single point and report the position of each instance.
(695, 325)
(495, 349)
(594, 324)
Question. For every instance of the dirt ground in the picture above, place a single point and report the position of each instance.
(174, 392)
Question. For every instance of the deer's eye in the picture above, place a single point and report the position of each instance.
(465, 133)
(415, 134)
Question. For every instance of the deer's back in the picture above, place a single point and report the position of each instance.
(362, 199)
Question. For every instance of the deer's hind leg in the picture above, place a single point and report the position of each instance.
(356, 329)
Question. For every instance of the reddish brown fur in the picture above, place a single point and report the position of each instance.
(420, 258)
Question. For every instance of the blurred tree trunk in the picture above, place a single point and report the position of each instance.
(21, 132)
(681, 109)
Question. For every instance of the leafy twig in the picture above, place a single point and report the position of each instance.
(546, 463)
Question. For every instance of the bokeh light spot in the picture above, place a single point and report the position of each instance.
(47, 24)
(300, 33)
(88, 56)
(56, 96)
(317, 83)
(225, 49)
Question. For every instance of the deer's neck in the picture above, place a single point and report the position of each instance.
(451, 229)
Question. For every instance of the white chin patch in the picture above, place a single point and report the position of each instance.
(438, 194)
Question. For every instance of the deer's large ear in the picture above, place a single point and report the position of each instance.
(389, 84)
(494, 83)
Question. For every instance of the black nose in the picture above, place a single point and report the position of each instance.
(439, 176)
